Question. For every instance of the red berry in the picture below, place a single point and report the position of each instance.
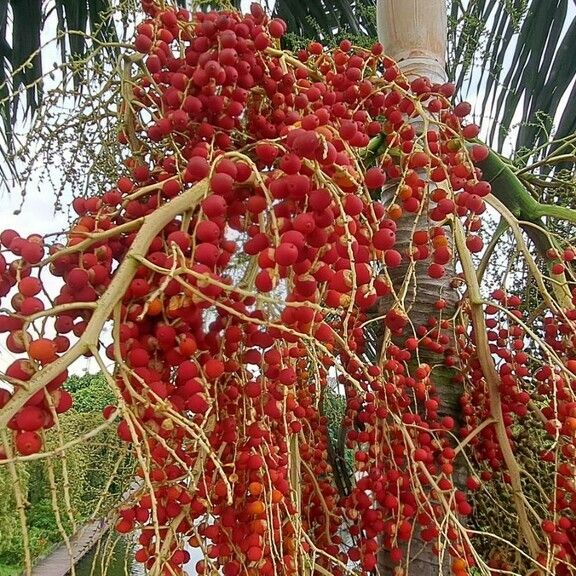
(27, 443)
(384, 239)
(42, 350)
(30, 418)
(374, 178)
(214, 206)
(286, 254)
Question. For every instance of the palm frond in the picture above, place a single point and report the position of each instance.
(329, 20)
(20, 55)
(518, 60)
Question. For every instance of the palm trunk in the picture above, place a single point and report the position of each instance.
(414, 33)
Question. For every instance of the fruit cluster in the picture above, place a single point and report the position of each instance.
(238, 260)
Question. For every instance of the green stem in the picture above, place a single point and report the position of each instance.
(507, 187)
(553, 211)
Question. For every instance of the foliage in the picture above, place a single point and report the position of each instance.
(97, 474)
(91, 392)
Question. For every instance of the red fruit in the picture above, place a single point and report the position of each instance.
(63, 401)
(286, 254)
(319, 199)
(207, 231)
(435, 270)
(287, 376)
(154, 64)
(138, 288)
(304, 223)
(227, 166)
(266, 153)
(261, 42)
(21, 369)
(222, 183)
(418, 160)
(141, 173)
(392, 258)
(29, 286)
(290, 163)
(42, 350)
(171, 188)
(197, 169)
(27, 443)
(473, 483)
(254, 554)
(181, 238)
(474, 243)
(277, 27)
(108, 411)
(255, 462)
(213, 369)
(263, 281)
(257, 11)
(124, 526)
(214, 206)
(207, 254)
(77, 278)
(30, 418)
(32, 252)
(31, 306)
(125, 185)
(348, 130)
(256, 204)
(353, 205)
(138, 357)
(462, 109)
(374, 178)
(7, 236)
(257, 244)
(384, 239)
(197, 403)
(143, 43)
(479, 153)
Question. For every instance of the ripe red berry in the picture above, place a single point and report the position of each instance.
(277, 27)
(213, 369)
(384, 239)
(27, 443)
(436, 270)
(42, 350)
(214, 206)
(462, 109)
(374, 178)
(29, 286)
(286, 254)
(30, 418)
(474, 243)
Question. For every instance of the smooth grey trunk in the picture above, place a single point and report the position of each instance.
(413, 33)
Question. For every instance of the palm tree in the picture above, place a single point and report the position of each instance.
(483, 38)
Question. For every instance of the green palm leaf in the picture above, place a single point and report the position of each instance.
(523, 70)
(329, 20)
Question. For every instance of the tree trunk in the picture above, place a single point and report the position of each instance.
(413, 33)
